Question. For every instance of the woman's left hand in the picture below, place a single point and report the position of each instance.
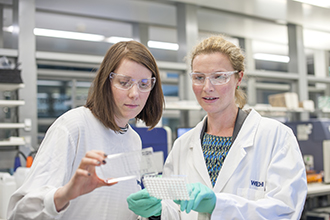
(202, 199)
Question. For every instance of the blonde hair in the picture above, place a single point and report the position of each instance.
(217, 44)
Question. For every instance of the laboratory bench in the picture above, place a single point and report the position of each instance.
(318, 197)
(317, 189)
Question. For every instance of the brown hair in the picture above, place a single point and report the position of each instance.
(100, 97)
(216, 44)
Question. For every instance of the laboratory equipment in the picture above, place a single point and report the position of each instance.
(160, 139)
(311, 136)
(322, 213)
(7, 188)
(326, 161)
(174, 188)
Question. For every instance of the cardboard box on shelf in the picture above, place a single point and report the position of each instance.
(307, 105)
(287, 99)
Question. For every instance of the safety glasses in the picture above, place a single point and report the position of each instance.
(217, 78)
(125, 82)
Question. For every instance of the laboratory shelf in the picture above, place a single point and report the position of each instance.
(315, 189)
(269, 108)
(12, 125)
(182, 105)
(12, 103)
(10, 86)
(326, 110)
(13, 141)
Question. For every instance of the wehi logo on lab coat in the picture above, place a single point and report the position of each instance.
(257, 183)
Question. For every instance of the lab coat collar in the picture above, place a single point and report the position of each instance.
(237, 152)
(244, 139)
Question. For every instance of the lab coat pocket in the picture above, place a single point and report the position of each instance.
(251, 194)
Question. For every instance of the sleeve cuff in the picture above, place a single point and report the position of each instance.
(220, 205)
(50, 208)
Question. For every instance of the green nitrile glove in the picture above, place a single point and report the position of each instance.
(142, 204)
(202, 199)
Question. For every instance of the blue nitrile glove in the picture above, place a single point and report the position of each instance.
(144, 205)
(17, 163)
(202, 199)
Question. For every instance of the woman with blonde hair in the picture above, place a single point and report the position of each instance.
(238, 164)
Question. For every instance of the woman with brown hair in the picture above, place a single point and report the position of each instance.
(62, 182)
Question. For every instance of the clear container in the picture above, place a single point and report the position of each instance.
(128, 165)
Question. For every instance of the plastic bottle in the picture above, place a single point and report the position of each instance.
(7, 188)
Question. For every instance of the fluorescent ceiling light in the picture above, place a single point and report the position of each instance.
(271, 57)
(162, 45)
(62, 34)
(68, 35)
(320, 3)
(115, 40)
(94, 37)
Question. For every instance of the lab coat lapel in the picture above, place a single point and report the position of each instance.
(200, 166)
(234, 157)
(198, 156)
(237, 152)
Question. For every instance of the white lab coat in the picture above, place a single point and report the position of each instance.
(263, 175)
(65, 144)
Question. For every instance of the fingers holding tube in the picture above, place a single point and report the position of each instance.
(98, 157)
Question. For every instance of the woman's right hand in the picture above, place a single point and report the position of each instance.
(141, 203)
(83, 181)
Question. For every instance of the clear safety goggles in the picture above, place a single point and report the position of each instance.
(217, 78)
(126, 82)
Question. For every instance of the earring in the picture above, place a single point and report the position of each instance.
(237, 87)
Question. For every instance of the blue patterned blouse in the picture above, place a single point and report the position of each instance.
(215, 150)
